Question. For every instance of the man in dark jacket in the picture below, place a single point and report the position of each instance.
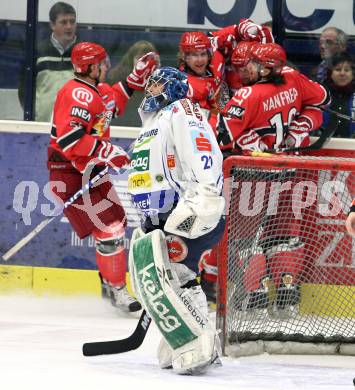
(53, 65)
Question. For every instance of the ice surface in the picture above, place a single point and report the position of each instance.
(41, 340)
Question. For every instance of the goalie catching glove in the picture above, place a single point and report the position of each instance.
(141, 72)
(197, 212)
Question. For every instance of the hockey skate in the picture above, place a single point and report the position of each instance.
(121, 299)
(286, 262)
(263, 297)
(199, 370)
(105, 287)
(288, 297)
(288, 294)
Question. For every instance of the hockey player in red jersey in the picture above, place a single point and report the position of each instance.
(278, 111)
(203, 58)
(80, 147)
(204, 72)
(350, 221)
(238, 75)
(235, 43)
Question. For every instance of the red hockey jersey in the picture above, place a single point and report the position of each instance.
(81, 119)
(268, 109)
(203, 90)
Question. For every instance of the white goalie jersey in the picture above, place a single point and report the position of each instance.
(176, 151)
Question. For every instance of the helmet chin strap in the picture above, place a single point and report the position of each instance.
(264, 72)
(96, 80)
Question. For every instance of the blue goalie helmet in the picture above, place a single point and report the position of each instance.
(165, 86)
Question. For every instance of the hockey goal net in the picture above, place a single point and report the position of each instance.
(286, 263)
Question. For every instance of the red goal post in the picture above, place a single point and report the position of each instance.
(286, 264)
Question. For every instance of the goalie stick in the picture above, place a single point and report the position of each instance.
(323, 138)
(130, 343)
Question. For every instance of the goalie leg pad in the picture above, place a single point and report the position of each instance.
(179, 313)
(165, 354)
(197, 356)
(158, 286)
(187, 359)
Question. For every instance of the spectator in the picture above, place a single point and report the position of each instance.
(332, 40)
(121, 71)
(53, 66)
(340, 81)
(124, 67)
(350, 220)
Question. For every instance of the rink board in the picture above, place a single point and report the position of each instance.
(42, 280)
(315, 298)
(327, 300)
(45, 280)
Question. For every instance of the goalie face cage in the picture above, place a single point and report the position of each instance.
(286, 263)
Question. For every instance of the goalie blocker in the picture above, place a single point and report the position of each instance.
(175, 302)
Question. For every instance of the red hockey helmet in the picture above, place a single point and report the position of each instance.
(192, 41)
(242, 53)
(85, 54)
(270, 55)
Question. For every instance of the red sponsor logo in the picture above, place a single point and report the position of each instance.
(171, 161)
(177, 249)
(82, 95)
(203, 144)
(204, 259)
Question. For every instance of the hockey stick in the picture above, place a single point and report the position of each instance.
(339, 114)
(47, 221)
(130, 343)
(323, 138)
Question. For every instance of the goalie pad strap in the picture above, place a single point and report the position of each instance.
(191, 283)
(156, 284)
